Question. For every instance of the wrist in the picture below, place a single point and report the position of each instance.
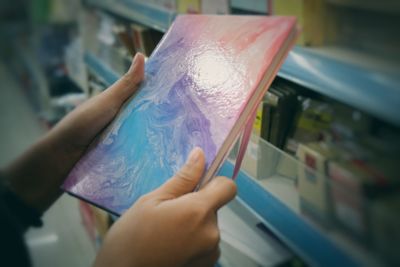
(31, 177)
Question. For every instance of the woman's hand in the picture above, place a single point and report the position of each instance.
(37, 175)
(171, 226)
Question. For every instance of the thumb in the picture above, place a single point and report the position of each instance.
(129, 82)
(84, 123)
(186, 179)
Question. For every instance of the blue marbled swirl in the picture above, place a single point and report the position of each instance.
(196, 85)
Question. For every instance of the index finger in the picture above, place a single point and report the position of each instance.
(218, 192)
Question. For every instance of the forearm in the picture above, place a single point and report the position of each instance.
(36, 176)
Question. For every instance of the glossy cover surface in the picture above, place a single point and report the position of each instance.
(198, 80)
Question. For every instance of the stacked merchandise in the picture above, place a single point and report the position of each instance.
(278, 110)
(144, 39)
(345, 173)
(273, 121)
(312, 122)
(312, 182)
(115, 41)
(346, 170)
(38, 59)
(349, 178)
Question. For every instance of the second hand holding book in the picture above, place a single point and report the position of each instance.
(202, 85)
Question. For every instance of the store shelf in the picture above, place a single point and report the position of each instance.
(140, 12)
(374, 92)
(306, 241)
(370, 91)
(101, 70)
(366, 89)
(274, 195)
(388, 7)
(36, 86)
(245, 241)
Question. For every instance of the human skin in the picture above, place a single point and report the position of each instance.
(171, 226)
(36, 176)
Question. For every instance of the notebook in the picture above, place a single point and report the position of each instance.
(202, 85)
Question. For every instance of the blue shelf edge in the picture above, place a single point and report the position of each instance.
(156, 18)
(370, 92)
(374, 93)
(298, 234)
(100, 69)
(140, 12)
(377, 94)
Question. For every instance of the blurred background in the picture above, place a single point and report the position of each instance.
(324, 155)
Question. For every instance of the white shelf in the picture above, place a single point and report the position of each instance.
(272, 192)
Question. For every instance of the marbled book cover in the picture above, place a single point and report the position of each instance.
(197, 83)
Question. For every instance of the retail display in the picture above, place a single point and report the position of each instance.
(201, 89)
(320, 170)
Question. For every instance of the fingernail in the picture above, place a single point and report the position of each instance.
(194, 155)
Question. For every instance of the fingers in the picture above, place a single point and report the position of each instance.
(83, 124)
(108, 103)
(186, 179)
(218, 192)
(129, 82)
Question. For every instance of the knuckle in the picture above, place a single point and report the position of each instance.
(228, 184)
(200, 210)
(198, 214)
(213, 237)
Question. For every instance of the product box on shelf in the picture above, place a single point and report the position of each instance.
(356, 185)
(312, 182)
(281, 114)
(348, 199)
(311, 123)
(145, 39)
